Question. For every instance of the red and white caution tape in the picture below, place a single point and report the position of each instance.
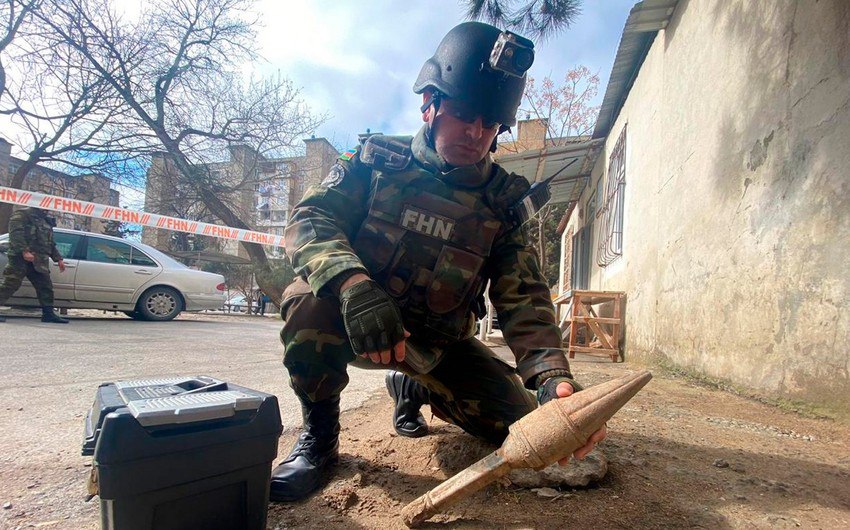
(111, 213)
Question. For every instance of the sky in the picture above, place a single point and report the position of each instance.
(357, 61)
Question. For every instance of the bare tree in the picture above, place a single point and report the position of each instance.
(566, 115)
(569, 118)
(13, 13)
(177, 67)
(62, 112)
(537, 19)
(565, 108)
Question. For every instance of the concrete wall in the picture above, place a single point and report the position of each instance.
(319, 157)
(100, 192)
(530, 134)
(737, 219)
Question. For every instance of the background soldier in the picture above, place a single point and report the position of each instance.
(31, 246)
(394, 250)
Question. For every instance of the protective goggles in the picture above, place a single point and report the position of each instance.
(465, 113)
(459, 110)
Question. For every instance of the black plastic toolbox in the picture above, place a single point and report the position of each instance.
(181, 453)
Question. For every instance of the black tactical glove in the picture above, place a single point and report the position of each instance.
(547, 391)
(372, 319)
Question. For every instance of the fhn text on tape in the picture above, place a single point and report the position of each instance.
(111, 213)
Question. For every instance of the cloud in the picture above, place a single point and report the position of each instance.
(357, 60)
(296, 33)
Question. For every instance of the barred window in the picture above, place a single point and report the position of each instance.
(568, 260)
(610, 245)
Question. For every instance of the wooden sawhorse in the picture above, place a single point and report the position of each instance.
(602, 334)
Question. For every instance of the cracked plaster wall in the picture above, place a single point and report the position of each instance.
(737, 223)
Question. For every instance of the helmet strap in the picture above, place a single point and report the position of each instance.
(434, 99)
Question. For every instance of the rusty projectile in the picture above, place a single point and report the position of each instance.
(537, 440)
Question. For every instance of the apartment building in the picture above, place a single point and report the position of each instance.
(92, 187)
(260, 190)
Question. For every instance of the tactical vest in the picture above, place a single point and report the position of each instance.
(426, 242)
(38, 237)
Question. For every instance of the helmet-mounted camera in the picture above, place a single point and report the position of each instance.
(512, 54)
(482, 66)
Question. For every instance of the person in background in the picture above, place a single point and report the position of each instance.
(31, 247)
(262, 302)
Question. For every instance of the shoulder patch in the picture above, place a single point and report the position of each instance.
(387, 152)
(348, 155)
(335, 176)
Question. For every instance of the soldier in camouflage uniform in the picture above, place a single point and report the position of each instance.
(394, 250)
(31, 247)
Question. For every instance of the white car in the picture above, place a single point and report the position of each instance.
(104, 272)
(236, 304)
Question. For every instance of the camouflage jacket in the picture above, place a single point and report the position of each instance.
(431, 239)
(30, 230)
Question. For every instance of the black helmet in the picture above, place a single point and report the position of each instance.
(481, 66)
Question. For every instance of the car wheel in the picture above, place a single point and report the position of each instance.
(160, 303)
(135, 315)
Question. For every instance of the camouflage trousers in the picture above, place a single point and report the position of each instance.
(470, 386)
(16, 270)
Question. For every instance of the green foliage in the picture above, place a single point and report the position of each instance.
(538, 19)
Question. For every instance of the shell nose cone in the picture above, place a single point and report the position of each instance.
(589, 409)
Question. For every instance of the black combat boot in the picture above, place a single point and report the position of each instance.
(316, 449)
(409, 397)
(47, 315)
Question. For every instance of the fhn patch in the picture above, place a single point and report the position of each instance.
(427, 223)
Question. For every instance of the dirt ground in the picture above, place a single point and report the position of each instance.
(680, 455)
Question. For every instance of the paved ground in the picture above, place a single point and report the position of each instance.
(49, 374)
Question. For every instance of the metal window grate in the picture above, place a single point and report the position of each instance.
(568, 260)
(611, 232)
